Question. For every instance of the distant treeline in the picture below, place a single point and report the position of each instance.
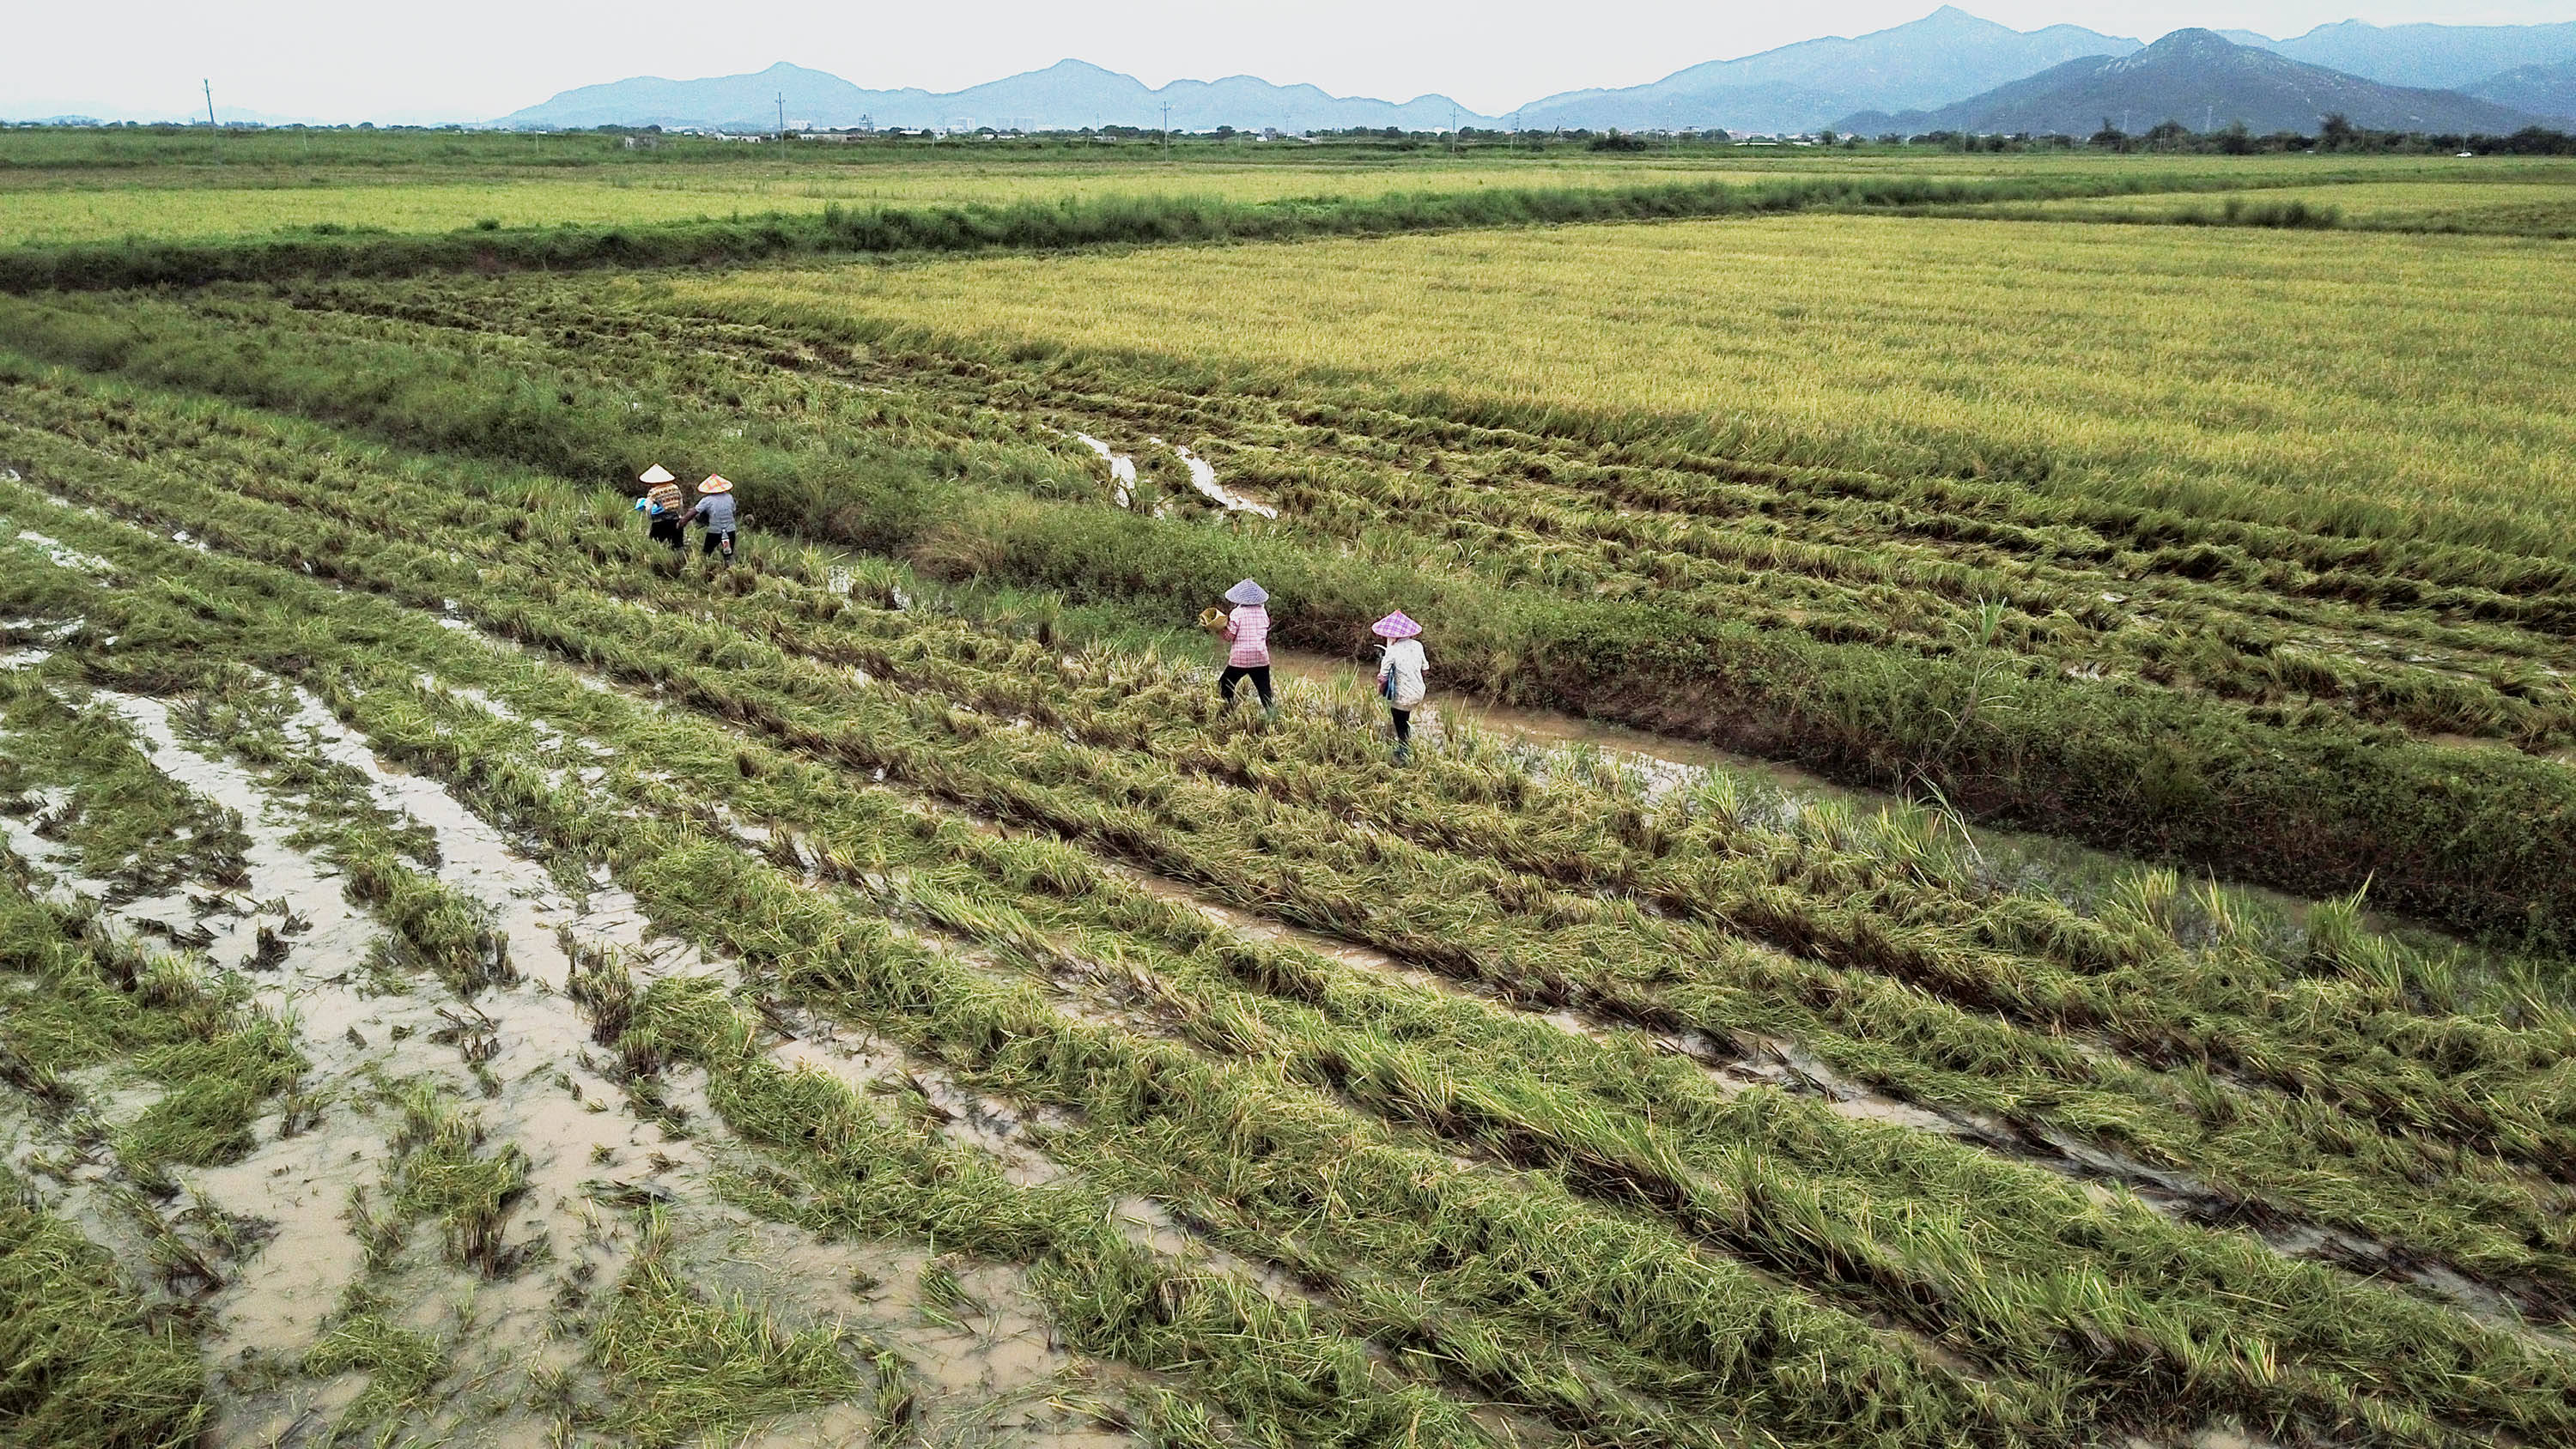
(2334, 135)
(50, 144)
(1022, 226)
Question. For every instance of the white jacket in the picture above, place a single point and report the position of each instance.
(1403, 662)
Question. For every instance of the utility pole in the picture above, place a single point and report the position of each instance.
(210, 102)
(782, 115)
(1453, 130)
(1167, 130)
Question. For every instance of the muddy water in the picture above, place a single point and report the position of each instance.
(993, 1374)
(521, 1057)
(537, 1085)
(1203, 478)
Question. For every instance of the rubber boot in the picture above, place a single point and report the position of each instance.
(1404, 753)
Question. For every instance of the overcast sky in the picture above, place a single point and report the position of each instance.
(475, 59)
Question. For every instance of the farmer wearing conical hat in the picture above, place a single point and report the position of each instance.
(1400, 671)
(714, 513)
(663, 504)
(1247, 627)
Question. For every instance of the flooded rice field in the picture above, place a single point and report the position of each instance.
(284, 1245)
(784, 1008)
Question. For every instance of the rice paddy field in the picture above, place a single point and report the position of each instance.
(63, 214)
(1989, 861)
(2542, 205)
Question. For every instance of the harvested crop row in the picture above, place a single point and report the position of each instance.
(445, 1172)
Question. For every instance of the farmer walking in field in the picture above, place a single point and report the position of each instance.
(664, 506)
(1400, 671)
(714, 513)
(1247, 627)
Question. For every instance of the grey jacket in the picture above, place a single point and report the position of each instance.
(715, 511)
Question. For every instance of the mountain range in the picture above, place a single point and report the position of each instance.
(1944, 67)
(2202, 79)
(1942, 57)
(1066, 95)
(2547, 90)
(2439, 57)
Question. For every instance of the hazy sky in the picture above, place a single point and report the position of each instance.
(475, 59)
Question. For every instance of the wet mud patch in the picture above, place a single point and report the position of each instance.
(969, 1344)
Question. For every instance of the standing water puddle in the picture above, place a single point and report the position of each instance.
(1122, 469)
(1203, 478)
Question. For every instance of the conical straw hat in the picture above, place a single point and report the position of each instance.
(1395, 626)
(716, 483)
(1247, 592)
(657, 474)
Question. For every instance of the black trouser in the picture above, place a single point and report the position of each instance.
(668, 530)
(1403, 724)
(722, 541)
(1234, 673)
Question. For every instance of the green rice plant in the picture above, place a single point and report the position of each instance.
(89, 999)
(404, 1366)
(85, 1367)
(1844, 700)
(685, 1367)
(132, 825)
(329, 249)
(1272, 1367)
(444, 1172)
